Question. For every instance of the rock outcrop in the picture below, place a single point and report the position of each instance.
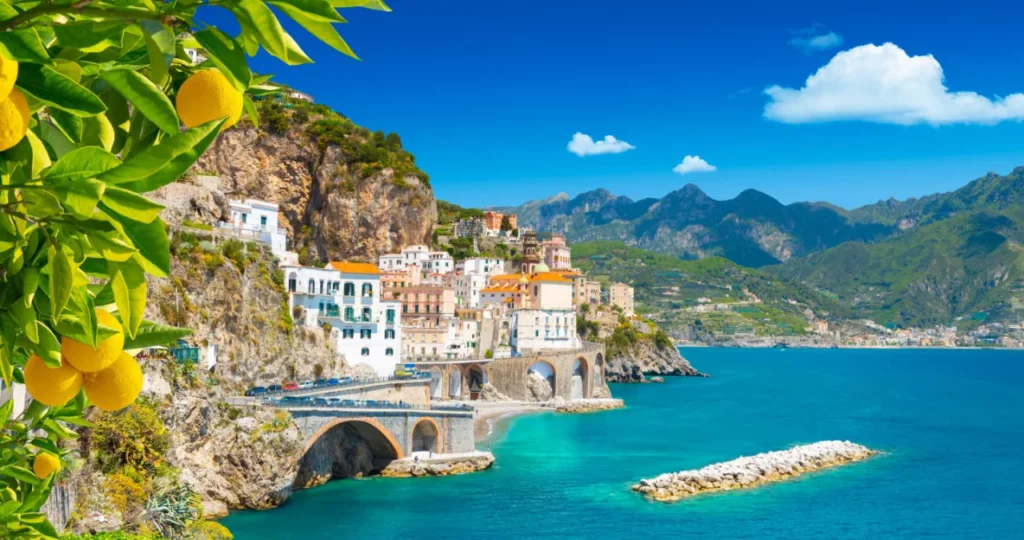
(748, 472)
(538, 387)
(328, 209)
(589, 405)
(489, 393)
(409, 467)
(638, 349)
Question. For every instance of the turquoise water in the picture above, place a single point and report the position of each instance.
(951, 424)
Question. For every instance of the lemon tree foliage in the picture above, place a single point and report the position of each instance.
(101, 102)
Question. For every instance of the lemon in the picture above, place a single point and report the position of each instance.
(117, 386)
(8, 74)
(51, 386)
(89, 360)
(14, 115)
(45, 464)
(207, 96)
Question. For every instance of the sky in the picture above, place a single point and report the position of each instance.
(846, 102)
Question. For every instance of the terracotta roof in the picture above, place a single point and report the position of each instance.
(549, 277)
(506, 277)
(355, 267)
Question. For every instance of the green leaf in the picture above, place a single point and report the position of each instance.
(98, 131)
(145, 96)
(25, 317)
(258, 20)
(82, 163)
(151, 334)
(250, 110)
(227, 55)
(61, 279)
(90, 36)
(111, 246)
(80, 196)
(128, 281)
(29, 284)
(68, 124)
(24, 46)
(320, 10)
(40, 157)
(319, 28)
(151, 241)
(19, 473)
(160, 47)
(53, 88)
(164, 163)
(378, 5)
(130, 204)
(47, 347)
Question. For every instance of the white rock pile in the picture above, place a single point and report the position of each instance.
(748, 472)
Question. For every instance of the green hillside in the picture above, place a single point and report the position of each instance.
(967, 266)
(667, 289)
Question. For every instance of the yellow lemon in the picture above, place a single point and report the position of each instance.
(51, 386)
(207, 96)
(88, 360)
(117, 386)
(14, 115)
(45, 464)
(8, 74)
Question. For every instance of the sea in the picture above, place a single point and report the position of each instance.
(949, 425)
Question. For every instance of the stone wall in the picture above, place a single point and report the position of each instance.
(455, 429)
(414, 392)
(509, 375)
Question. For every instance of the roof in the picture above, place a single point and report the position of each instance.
(355, 267)
(549, 277)
(506, 277)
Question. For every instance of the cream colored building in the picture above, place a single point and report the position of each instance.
(621, 295)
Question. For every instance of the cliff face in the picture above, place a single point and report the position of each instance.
(645, 358)
(330, 209)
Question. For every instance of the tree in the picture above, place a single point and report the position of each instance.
(91, 126)
(506, 224)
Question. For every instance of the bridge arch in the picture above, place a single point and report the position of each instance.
(373, 432)
(345, 448)
(581, 369)
(426, 436)
(537, 374)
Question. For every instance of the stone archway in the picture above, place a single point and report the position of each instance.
(599, 372)
(346, 447)
(475, 377)
(426, 436)
(436, 382)
(454, 382)
(580, 379)
(540, 381)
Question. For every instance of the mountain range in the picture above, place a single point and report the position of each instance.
(917, 262)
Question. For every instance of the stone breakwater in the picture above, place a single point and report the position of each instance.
(440, 466)
(588, 405)
(748, 472)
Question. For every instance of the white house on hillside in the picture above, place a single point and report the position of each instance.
(257, 219)
(347, 296)
(549, 320)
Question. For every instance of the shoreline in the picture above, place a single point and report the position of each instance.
(492, 417)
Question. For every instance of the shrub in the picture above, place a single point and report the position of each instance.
(196, 225)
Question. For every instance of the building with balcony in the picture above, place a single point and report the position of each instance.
(348, 297)
(256, 220)
(428, 262)
(621, 295)
(557, 255)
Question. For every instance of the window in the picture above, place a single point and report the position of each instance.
(350, 314)
(536, 333)
(312, 287)
(244, 217)
(350, 289)
(389, 334)
(365, 351)
(367, 315)
(364, 334)
(405, 309)
(292, 284)
(427, 308)
(416, 308)
(348, 333)
(263, 222)
(391, 315)
(389, 352)
(367, 289)
(321, 286)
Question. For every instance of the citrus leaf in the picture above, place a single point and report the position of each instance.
(130, 204)
(160, 47)
(24, 46)
(377, 5)
(145, 96)
(90, 36)
(151, 241)
(81, 163)
(250, 110)
(319, 28)
(320, 10)
(61, 279)
(258, 20)
(128, 282)
(98, 131)
(151, 334)
(51, 87)
(80, 196)
(68, 124)
(19, 473)
(162, 164)
(227, 55)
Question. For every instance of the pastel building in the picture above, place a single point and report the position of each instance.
(621, 295)
(557, 255)
(347, 296)
(257, 219)
(548, 320)
(471, 276)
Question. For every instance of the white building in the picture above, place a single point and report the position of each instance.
(483, 266)
(429, 262)
(257, 219)
(347, 296)
(467, 290)
(549, 320)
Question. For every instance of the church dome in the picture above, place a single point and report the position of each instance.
(541, 268)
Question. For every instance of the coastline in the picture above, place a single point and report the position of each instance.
(493, 417)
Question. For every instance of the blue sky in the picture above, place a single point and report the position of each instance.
(488, 94)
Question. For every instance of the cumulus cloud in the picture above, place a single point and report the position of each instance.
(693, 164)
(582, 145)
(882, 83)
(820, 42)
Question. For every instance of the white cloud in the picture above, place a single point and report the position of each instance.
(693, 164)
(582, 145)
(821, 42)
(883, 84)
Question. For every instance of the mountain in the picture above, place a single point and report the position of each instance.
(752, 229)
(970, 265)
(670, 290)
(990, 192)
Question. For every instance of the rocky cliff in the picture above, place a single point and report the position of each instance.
(331, 208)
(636, 349)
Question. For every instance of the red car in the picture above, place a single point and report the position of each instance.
(289, 386)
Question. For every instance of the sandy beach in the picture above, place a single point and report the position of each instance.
(490, 415)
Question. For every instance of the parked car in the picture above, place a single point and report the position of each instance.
(274, 388)
(291, 399)
(255, 391)
(320, 382)
(332, 381)
(346, 380)
(305, 385)
(289, 386)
